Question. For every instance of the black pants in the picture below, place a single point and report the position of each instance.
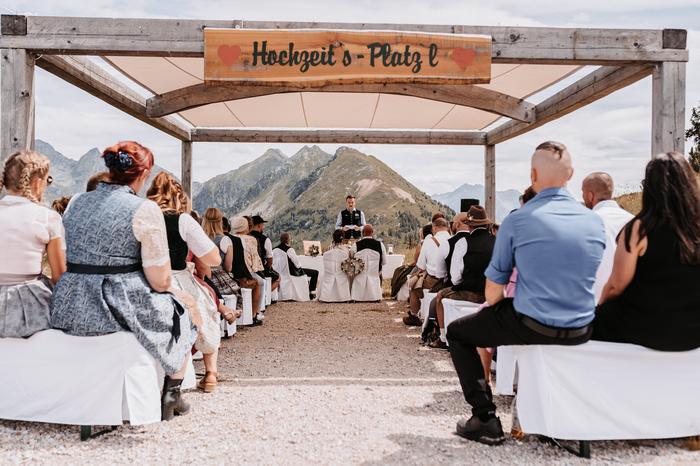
(313, 273)
(492, 326)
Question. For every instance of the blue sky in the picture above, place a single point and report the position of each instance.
(612, 134)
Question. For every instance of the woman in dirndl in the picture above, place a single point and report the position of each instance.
(29, 230)
(119, 276)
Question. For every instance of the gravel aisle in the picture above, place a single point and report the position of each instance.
(319, 384)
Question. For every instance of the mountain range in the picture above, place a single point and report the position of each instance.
(303, 193)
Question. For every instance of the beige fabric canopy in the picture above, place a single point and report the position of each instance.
(334, 109)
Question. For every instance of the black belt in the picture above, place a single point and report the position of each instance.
(553, 332)
(103, 269)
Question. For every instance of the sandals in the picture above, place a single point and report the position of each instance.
(205, 383)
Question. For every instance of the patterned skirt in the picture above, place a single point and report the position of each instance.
(209, 337)
(25, 308)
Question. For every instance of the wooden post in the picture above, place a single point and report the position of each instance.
(490, 181)
(186, 167)
(16, 101)
(668, 108)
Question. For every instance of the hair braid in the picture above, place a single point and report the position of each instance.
(25, 180)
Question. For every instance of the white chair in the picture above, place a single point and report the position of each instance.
(268, 291)
(455, 309)
(229, 330)
(246, 317)
(334, 287)
(602, 391)
(291, 288)
(403, 293)
(86, 381)
(367, 286)
(425, 304)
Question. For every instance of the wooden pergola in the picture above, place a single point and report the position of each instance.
(60, 45)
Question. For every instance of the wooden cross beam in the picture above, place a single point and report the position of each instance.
(184, 38)
(88, 76)
(603, 81)
(470, 96)
(338, 136)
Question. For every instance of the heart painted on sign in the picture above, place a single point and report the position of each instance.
(229, 53)
(463, 57)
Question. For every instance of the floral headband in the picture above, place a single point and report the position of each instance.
(120, 161)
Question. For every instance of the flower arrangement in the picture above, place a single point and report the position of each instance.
(314, 250)
(352, 266)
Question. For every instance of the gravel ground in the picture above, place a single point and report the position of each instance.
(319, 384)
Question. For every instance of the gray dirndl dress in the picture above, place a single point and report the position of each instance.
(99, 234)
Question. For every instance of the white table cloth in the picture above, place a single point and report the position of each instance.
(393, 261)
(603, 391)
(58, 378)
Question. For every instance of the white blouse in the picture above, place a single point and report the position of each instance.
(27, 227)
(192, 233)
(149, 229)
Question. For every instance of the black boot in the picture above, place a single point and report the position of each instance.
(171, 402)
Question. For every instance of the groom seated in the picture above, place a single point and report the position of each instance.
(368, 242)
(295, 268)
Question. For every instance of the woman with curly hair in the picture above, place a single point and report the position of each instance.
(29, 230)
(119, 275)
(185, 235)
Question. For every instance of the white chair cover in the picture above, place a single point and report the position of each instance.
(455, 309)
(58, 378)
(403, 293)
(246, 317)
(425, 304)
(334, 287)
(227, 329)
(291, 288)
(603, 391)
(268, 291)
(367, 286)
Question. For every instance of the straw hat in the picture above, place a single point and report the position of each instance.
(476, 217)
(239, 224)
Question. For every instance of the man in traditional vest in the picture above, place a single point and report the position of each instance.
(350, 220)
(295, 268)
(264, 250)
(368, 242)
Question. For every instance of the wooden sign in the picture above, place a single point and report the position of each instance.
(322, 56)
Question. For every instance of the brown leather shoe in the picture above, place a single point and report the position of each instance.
(438, 344)
(412, 320)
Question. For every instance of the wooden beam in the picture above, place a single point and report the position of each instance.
(186, 167)
(490, 181)
(596, 85)
(338, 136)
(88, 76)
(177, 37)
(470, 96)
(16, 101)
(668, 108)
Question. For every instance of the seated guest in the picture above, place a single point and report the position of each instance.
(184, 234)
(241, 226)
(60, 204)
(28, 231)
(652, 298)
(295, 268)
(264, 250)
(195, 215)
(233, 265)
(425, 233)
(469, 255)
(337, 241)
(368, 242)
(431, 263)
(597, 189)
(119, 276)
(557, 244)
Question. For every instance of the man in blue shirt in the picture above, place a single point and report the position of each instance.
(556, 245)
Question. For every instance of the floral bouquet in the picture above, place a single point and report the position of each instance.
(314, 250)
(352, 266)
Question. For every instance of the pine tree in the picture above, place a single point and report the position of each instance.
(694, 133)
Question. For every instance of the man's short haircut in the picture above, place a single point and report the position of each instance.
(284, 238)
(349, 196)
(367, 230)
(553, 146)
(437, 215)
(440, 223)
(601, 184)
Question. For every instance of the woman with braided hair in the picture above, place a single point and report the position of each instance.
(29, 230)
(119, 275)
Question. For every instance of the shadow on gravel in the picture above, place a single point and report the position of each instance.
(444, 403)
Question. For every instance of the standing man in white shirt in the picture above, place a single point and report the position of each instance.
(597, 189)
(351, 220)
(431, 261)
